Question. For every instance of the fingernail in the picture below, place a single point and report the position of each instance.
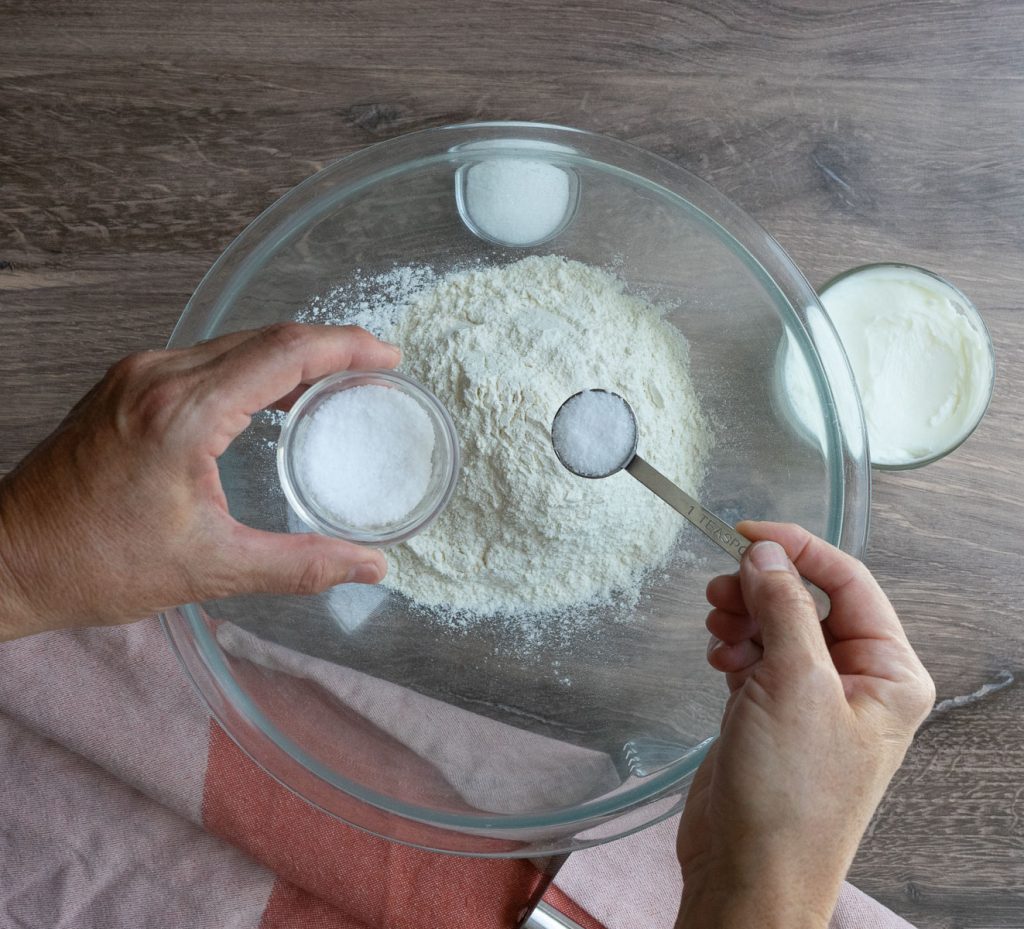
(391, 345)
(769, 556)
(365, 573)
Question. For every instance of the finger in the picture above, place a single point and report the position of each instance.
(202, 353)
(725, 593)
(208, 349)
(289, 399)
(730, 628)
(909, 699)
(888, 659)
(283, 563)
(264, 369)
(733, 659)
(778, 600)
(860, 609)
(736, 679)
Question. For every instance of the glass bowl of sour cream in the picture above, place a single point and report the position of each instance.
(922, 358)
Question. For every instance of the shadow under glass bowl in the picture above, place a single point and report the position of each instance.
(457, 738)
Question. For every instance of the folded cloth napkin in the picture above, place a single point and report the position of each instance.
(125, 805)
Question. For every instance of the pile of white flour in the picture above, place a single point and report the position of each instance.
(502, 347)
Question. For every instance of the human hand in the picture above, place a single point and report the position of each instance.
(120, 512)
(819, 717)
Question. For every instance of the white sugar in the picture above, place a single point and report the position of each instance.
(366, 455)
(594, 433)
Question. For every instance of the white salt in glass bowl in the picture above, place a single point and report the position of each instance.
(444, 464)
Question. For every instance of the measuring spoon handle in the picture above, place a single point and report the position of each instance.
(717, 530)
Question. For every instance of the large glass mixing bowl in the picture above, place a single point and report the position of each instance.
(466, 739)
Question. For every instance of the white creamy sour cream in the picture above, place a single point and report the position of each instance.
(921, 357)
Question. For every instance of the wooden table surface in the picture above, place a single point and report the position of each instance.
(138, 137)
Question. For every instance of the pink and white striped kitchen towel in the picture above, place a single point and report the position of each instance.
(124, 805)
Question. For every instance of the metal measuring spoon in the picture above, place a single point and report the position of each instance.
(717, 530)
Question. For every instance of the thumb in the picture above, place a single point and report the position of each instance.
(286, 563)
(775, 596)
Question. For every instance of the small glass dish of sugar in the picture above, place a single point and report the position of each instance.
(368, 456)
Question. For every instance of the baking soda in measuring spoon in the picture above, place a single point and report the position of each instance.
(366, 456)
(594, 433)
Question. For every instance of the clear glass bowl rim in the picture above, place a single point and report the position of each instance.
(189, 636)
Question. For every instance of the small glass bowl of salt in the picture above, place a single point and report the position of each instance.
(368, 456)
